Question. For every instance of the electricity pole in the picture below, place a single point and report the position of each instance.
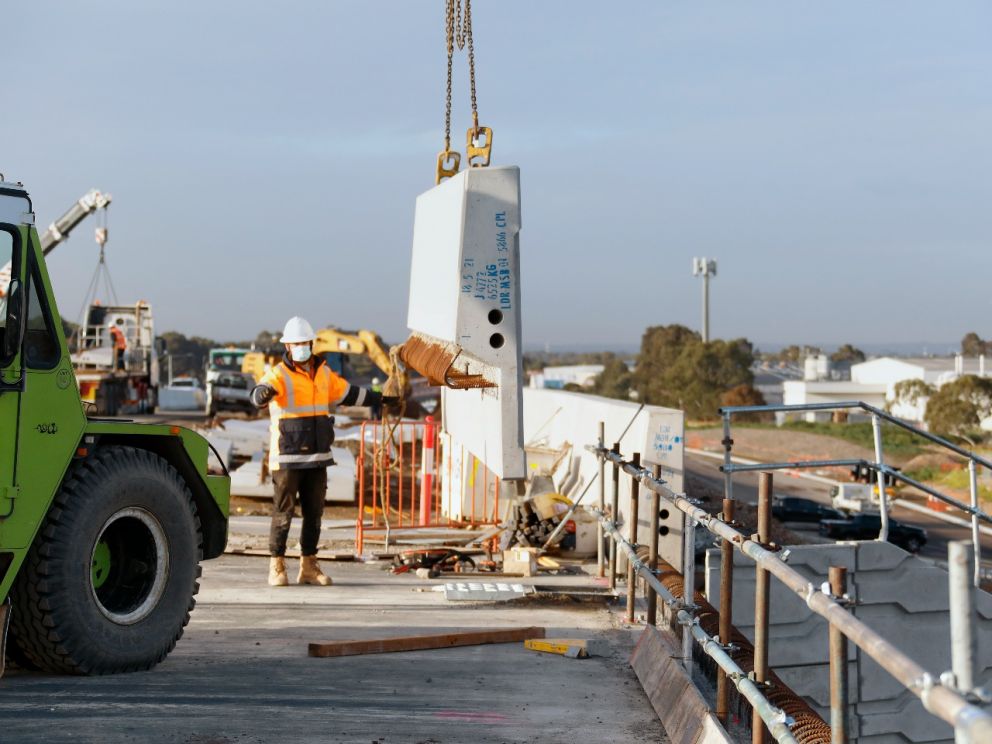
(705, 268)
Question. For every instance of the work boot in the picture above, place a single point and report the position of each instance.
(277, 571)
(310, 572)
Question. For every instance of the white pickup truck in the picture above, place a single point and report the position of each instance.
(228, 391)
(857, 497)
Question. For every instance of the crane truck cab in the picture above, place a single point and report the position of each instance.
(103, 523)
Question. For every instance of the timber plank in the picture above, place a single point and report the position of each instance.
(423, 642)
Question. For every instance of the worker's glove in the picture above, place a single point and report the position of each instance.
(261, 395)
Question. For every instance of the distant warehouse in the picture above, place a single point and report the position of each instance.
(874, 383)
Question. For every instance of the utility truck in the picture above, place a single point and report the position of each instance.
(227, 386)
(103, 523)
(116, 381)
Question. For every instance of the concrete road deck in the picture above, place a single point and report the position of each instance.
(241, 674)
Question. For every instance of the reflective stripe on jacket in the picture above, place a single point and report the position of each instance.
(300, 403)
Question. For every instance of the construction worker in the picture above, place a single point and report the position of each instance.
(119, 343)
(301, 392)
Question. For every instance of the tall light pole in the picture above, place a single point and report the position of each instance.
(705, 267)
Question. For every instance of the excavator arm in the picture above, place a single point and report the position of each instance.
(367, 343)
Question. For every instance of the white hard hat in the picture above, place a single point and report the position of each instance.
(297, 331)
(376, 380)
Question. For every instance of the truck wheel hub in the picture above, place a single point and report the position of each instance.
(130, 566)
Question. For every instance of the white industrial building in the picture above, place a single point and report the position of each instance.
(874, 382)
(583, 375)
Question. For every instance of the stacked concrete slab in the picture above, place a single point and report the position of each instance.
(902, 597)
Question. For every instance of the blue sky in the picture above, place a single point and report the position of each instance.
(264, 159)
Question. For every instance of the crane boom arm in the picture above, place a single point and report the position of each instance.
(60, 229)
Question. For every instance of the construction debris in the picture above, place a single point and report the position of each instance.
(473, 591)
(423, 642)
(572, 648)
(520, 560)
(433, 561)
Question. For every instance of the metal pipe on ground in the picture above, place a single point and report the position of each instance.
(634, 509)
(726, 611)
(947, 704)
(838, 664)
(762, 590)
(652, 618)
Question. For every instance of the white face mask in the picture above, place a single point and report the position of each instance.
(300, 353)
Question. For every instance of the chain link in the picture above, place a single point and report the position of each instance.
(458, 33)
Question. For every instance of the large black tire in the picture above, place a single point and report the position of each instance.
(110, 580)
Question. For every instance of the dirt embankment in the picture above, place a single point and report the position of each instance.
(783, 445)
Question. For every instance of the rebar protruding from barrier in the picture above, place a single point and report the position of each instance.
(838, 664)
(726, 612)
(652, 618)
(962, 606)
(615, 515)
(600, 567)
(635, 488)
(762, 582)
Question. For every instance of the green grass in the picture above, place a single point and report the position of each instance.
(895, 441)
(957, 480)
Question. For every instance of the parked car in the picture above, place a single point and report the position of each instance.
(183, 394)
(867, 526)
(796, 509)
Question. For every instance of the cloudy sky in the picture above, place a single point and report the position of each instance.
(264, 159)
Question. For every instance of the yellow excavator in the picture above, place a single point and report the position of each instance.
(334, 344)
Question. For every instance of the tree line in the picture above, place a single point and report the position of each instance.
(675, 368)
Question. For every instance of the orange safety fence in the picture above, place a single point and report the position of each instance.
(400, 489)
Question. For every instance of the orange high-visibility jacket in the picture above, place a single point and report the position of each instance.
(301, 399)
(117, 335)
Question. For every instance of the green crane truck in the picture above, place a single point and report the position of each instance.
(103, 523)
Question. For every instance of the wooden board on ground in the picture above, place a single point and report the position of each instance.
(422, 642)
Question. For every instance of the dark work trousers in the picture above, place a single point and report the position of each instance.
(309, 486)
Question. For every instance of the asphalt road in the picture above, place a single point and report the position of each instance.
(241, 673)
(939, 533)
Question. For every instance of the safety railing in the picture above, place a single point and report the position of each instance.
(398, 488)
(946, 697)
(881, 470)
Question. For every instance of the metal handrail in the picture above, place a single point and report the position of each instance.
(898, 475)
(774, 717)
(800, 407)
(946, 703)
(879, 467)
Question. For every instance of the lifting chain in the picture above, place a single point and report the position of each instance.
(478, 140)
